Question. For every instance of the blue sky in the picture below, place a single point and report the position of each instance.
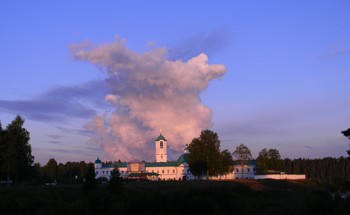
(285, 87)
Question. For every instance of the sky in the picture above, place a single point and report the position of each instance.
(100, 78)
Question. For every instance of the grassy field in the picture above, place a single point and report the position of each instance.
(176, 197)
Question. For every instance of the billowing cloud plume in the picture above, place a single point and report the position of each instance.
(149, 92)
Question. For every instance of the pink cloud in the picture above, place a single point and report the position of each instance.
(149, 92)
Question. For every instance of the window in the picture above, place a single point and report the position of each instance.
(173, 170)
(248, 170)
(163, 171)
(237, 170)
(103, 172)
(161, 144)
(107, 172)
(96, 172)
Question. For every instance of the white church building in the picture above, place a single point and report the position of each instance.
(161, 169)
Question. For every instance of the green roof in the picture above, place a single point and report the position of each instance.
(161, 137)
(183, 159)
(98, 160)
(178, 162)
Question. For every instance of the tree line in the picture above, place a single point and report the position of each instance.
(205, 159)
(17, 162)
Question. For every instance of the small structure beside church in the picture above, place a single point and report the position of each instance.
(245, 171)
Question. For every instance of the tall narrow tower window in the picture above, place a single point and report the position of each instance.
(161, 144)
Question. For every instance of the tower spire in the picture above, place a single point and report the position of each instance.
(161, 148)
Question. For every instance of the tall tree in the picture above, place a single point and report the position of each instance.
(204, 157)
(2, 152)
(16, 151)
(226, 162)
(243, 155)
(275, 162)
(268, 160)
(262, 161)
(90, 183)
(346, 133)
(197, 158)
(50, 170)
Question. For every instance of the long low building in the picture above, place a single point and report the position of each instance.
(171, 170)
(161, 169)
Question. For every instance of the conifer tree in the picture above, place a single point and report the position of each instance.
(116, 182)
(347, 134)
(90, 183)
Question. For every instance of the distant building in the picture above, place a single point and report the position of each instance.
(245, 171)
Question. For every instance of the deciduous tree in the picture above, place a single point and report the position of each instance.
(50, 170)
(274, 160)
(15, 151)
(262, 161)
(268, 160)
(205, 155)
(226, 162)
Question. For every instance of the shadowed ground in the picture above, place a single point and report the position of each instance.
(176, 197)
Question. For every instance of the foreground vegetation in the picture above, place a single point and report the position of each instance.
(176, 197)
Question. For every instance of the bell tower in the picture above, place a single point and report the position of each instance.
(161, 148)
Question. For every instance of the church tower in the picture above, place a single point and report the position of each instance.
(161, 148)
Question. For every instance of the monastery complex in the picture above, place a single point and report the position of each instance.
(162, 169)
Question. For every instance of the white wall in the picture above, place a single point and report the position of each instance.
(245, 172)
(165, 173)
(280, 177)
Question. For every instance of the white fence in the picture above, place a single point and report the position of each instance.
(280, 176)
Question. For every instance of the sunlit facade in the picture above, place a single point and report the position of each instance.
(161, 169)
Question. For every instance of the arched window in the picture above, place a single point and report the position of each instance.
(161, 144)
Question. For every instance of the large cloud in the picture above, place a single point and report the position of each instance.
(149, 92)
